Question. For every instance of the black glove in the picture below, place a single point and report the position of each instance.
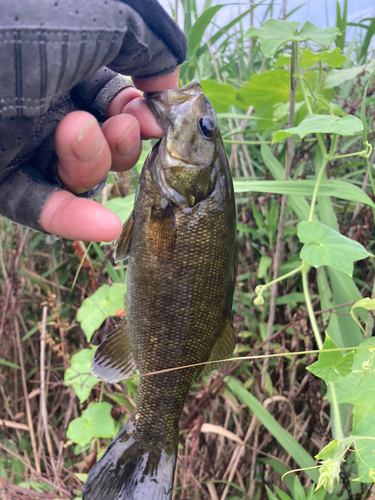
(55, 57)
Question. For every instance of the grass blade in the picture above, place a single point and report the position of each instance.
(339, 189)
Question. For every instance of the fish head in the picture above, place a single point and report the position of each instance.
(189, 148)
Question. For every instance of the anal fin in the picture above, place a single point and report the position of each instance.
(114, 359)
(223, 348)
(122, 244)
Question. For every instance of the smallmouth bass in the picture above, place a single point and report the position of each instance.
(181, 244)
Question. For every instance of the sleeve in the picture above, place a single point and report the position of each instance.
(62, 55)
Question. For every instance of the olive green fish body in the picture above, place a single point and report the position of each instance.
(180, 241)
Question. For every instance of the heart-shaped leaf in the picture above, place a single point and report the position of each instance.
(99, 306)
(324, 246)
(324, 124)
(79, 374)
(332, 365)
(274, 33)
(96, 421)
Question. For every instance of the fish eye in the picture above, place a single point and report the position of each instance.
(207, 126)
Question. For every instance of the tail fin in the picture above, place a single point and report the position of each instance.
(131, 470)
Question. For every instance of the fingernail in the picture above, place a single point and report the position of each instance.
(89, 143)
(128, 143)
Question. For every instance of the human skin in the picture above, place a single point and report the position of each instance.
(86, 153)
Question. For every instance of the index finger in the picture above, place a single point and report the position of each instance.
(158, 83)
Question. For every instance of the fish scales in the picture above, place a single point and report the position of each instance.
(180, 242)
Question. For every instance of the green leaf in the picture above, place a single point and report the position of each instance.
(305, 187)
(298, 203)
(4, 362)
(221, 95)
(340, 76)
(122, 207)
(284, 60)
(222, 31)
(331, 458)
(290, 299)
(326, 247)
(282, 494)
(79, 374)
(281, 469)
(340, 288)
(364, 427)
(329, 451)
(96, 421)
(270, 495)
(99, 306)
(286, 440)
(324, 124)
(333, 58)
(331, 365)
(281, 109)
(264, 264)
(358, 389)
(321, 36)
(368, 304)
(368, 38)
(298, 491)
(269, 88)
(82, 477)
(266, 89)
(196, 32)
(274, 33)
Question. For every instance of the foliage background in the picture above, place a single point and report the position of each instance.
(248, 423)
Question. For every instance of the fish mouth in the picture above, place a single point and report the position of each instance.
(176, 161)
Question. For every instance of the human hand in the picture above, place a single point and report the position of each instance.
(86, 153)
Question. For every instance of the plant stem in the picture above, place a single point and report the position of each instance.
(336, 428)
(261, 288)
(300, 81)
(316, 188)
(314, 325)
(101, 392)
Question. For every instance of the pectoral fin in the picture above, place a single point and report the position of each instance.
(163, 232)
(223, 348)
(114, 359)
(122, 244)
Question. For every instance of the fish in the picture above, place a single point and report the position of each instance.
(180, 242)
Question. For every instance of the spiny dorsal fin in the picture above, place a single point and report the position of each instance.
(122, 244)
(223, 348)
(114, 359)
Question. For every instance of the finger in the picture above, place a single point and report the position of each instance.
(79, 219)
(158, 83)
(148, 125)
(120, 100)
(130, 101)
(123, 136)
(83, 153)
